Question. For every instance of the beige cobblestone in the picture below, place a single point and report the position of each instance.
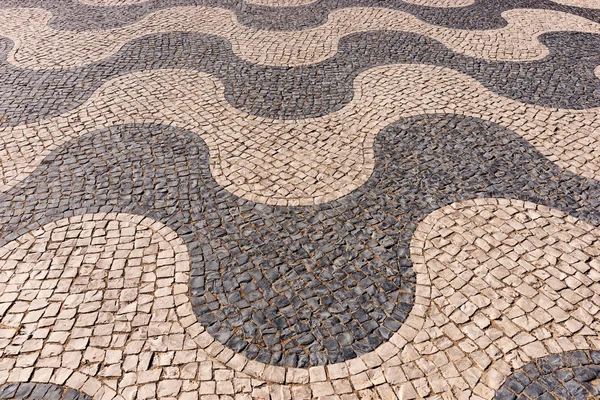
(249, 154)
(425, 365)
(290, 3)
(37, 46)
(580, 3)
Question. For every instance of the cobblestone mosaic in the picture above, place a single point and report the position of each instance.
(298, 199)
(303, 161)
(39, 391)
(563, 79)
(42, 47)
(481, 14)
(570, 375)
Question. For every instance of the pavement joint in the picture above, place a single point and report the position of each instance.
(297, 199)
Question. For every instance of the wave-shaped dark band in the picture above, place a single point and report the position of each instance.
(483, 14)
(569, 375)
(564, 79)
(40, 391)
(295, 286)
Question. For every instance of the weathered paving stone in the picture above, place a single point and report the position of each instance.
(483, 14)
(499, 297)
(40, 46)
(445, 275)
(276, 289)
(286, 285)
(564, 79)
(40, 391)
(570, 375)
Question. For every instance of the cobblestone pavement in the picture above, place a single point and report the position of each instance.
(299, 199)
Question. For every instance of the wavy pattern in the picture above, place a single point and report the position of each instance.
(569, 375)
(185, 222)
(501, 292)
(289, 3)
(580, 3)
(483, 14)
(281, 3)
(40, 391)
(437, 309)
(265, 160)
(563, 80)
(40, 47)
(422, 164)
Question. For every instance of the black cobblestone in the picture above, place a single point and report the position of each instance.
(40, 391)
(483, 14)
(311, 285)
(296, 285)
(564, 79)
(573, 375)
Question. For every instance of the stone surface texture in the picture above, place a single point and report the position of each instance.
(299, 199)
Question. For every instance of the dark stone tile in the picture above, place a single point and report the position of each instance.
(40, 391)
(557, 380)
(564, 79)
(284, 258)
(483, 14)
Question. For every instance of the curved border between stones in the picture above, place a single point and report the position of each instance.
(290, 375)
(368, 136)
(278, 374)
(90, 386)
(65, 390)
(245, 42)
(219, 352)
(374, 359)
(579, 3)
(287, 3)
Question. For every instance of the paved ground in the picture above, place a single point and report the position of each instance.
(296, 199)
